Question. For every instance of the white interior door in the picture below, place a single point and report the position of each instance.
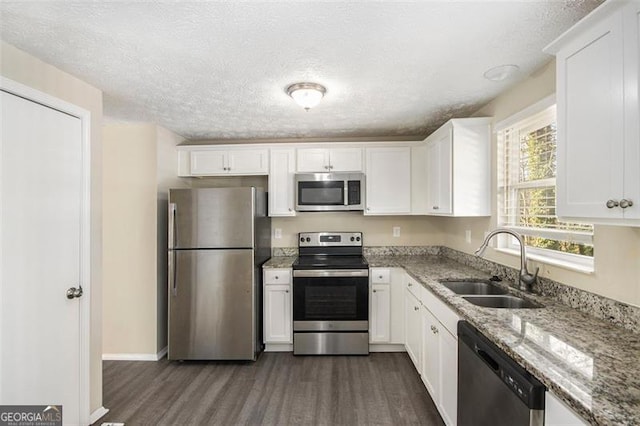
(41, 199)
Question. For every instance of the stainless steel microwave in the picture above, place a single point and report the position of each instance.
(329, 191)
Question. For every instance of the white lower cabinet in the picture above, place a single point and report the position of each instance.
(556, 413)
(432, 345)
(278, 319)
(380, 326)
(413, 338)
(386, 316)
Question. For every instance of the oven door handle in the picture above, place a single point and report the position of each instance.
(313, 273)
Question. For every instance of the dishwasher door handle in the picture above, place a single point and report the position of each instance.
(492, 363)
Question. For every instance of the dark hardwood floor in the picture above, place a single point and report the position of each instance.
(278, 389)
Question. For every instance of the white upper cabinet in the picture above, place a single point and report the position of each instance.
(281, 182)
(312, 160)
(211, 161)
(598, 175)
(388, 174)
(459, 168)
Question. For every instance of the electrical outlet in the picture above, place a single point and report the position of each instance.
(277, 233)
(467, 236)
(396, 231)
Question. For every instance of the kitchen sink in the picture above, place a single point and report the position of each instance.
(503, 301)
(472, 287)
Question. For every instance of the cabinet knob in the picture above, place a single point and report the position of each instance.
(436, 208)
(410, 284)
(415, 308)
(434, 330)
(612, 203)
(624, 203)
(289, 208)
(286, 291)
(368, 209)
(380, 276)
(374, 291)
(277, 277)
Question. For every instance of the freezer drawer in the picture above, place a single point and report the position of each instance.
(212, 300)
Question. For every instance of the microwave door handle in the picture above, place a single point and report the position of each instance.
(346, 193)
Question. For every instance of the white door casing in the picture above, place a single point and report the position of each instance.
(44, 250)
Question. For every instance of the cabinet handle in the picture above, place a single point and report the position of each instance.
(612, 203)
(368, 209)
(410, 284)
(416, 308)
(624, 203)
(436, 208)
(326, 167)
(289, 208)
(434, 330)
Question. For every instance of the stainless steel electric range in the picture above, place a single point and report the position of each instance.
(330, 295)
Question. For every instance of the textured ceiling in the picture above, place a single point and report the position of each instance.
(218, 70)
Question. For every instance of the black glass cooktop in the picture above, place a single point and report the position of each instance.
(330, 262)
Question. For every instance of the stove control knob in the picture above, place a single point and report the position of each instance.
(308, 239)
(352, 239)
(302, 239)
(357, 238)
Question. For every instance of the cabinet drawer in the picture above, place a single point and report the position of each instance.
(277, 276)
(380, 275)
(413, 286)
(445, 315)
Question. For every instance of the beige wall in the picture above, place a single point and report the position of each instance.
(139, 167)
(414, 230)
(129, 245)
(28, 70)
(617, 249)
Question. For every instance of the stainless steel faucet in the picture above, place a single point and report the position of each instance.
(526, 279)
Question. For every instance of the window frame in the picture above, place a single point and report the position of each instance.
(507, 244)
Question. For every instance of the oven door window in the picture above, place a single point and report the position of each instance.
(321, 193)
(330, 299)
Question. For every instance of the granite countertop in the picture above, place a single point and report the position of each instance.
(279, 262)
(592, 365)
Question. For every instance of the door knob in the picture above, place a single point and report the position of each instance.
(624, 203)
(74, 293)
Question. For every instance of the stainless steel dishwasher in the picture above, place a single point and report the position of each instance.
(493, 389)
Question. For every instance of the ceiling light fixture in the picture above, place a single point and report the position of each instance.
(501, 73)
(307, 95)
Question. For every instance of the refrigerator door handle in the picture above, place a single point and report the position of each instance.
(172, 245)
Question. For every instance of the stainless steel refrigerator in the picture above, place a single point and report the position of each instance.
(218, 240)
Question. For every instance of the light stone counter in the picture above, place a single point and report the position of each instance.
(591, 364)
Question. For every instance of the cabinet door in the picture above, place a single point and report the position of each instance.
(590, 122)
(380, 313)
(281, 182)
(430, 354)
(412, 328)
(277, 314)
(439, 184)
(556, 413)
(204, 163)
(388, 181)
(345, 159)
(448, 376)
(248, 162)
(312, 160)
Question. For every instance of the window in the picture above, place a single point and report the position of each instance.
(527, 189)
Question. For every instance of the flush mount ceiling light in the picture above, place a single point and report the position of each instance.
(307, 95)
(501, 72)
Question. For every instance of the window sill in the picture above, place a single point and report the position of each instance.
(586, 268)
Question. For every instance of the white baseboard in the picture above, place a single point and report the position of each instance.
(278, 347)
(97, 415)
(135, 357)
(386, 347)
